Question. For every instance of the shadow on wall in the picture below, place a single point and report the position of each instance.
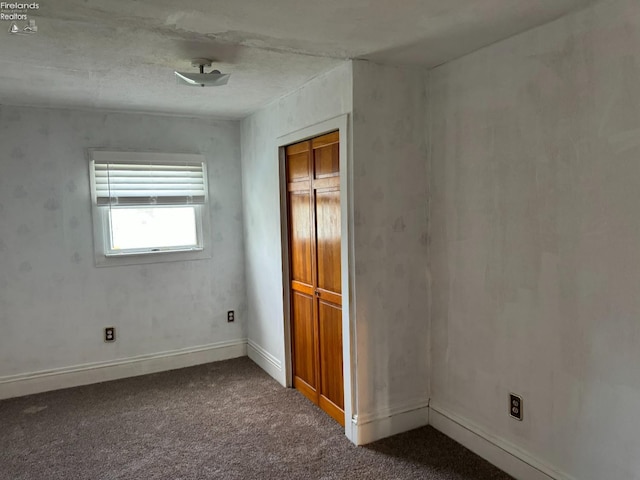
(452, 36)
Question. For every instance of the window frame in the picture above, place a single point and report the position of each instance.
(104, 255)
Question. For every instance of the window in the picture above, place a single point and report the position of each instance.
(148, 207)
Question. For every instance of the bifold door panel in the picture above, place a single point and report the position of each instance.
(313, 194)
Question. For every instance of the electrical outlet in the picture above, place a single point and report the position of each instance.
(110, 334)
(515, 406)
(231, 316)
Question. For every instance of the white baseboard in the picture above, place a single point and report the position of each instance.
(266, 361)
(43, 381)
(498, 451)
(368, 428)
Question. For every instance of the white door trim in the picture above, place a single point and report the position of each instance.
(340, 123)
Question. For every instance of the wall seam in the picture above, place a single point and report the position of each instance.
(428, 135)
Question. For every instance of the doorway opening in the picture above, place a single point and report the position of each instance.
(313, 223)
(316, 236)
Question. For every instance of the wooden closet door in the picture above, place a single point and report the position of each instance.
(304, 334)
(313, 185)
(328, 301)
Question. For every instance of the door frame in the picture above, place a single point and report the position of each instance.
(341, 124)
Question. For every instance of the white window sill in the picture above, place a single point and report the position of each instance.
(141, 258)
(153, 251)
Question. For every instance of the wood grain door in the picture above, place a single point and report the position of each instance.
(313, 192)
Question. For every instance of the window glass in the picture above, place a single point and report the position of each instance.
(148, 228)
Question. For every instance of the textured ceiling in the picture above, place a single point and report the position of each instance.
(120, 54)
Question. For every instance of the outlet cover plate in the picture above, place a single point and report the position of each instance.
(110, 334)
(515, 406)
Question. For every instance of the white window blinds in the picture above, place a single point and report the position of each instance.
(130, 183)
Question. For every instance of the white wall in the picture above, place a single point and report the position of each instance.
(389, 195)
(390, 238)
(322, 98)
(535, 234)
(54, 302)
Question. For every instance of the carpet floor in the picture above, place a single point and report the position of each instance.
(225, 420)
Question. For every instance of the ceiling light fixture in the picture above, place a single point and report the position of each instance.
(212, 79)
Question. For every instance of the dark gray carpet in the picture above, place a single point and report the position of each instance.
(225, 420)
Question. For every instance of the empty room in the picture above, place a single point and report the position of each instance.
(353, 239)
